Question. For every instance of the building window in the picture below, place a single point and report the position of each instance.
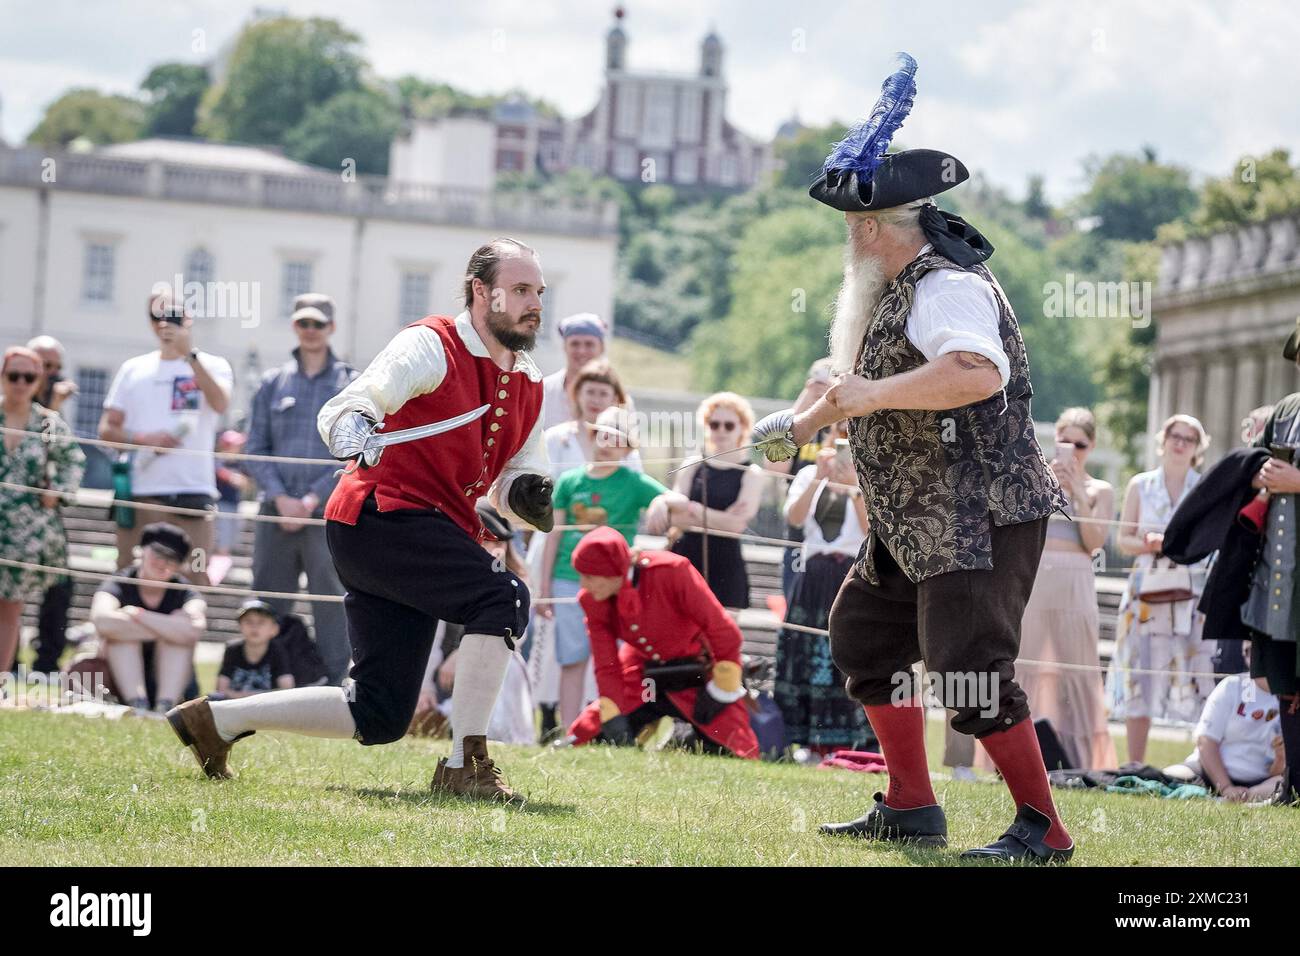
(295, 279)
(92, 388)
(657, 132)
(728, 170)
(97, 273)
(688, 116)
(198, 269)
(414, 297)
(686, 167)
(625, 162)
(626, 114)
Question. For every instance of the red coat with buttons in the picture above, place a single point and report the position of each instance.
(452, 470)
(675, 615)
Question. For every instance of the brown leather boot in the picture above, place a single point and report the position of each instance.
(194, 725)
(479, 778)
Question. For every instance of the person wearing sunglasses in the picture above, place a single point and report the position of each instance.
(283, 424)
(172, 397)
(40, 452)
(1160, 636)
(52, 619)
(730, 488)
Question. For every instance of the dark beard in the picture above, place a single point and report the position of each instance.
(501, 326)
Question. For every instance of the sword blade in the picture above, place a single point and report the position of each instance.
(715, 455)
(383, 440)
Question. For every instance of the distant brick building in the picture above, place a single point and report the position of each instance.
(648, 126)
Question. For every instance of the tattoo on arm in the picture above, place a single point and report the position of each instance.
(969, 360)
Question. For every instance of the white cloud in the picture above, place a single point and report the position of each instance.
(1013, 87)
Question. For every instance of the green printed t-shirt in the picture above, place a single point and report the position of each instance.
(616, 500)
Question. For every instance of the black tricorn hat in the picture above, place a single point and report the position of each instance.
(901, 177)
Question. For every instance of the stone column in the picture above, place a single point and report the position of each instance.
(1278, 376)
(1250, 381)
(1216, 404)
(1187, 400)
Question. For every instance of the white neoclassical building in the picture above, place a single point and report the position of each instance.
(84, 238)
(1224, 306)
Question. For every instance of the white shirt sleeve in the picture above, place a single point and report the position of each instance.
(531, 459)
(220, 370)
(121, 384)
(412, 364)
(957, 312)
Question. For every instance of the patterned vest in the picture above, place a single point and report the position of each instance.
(452, 470)
(936, 482)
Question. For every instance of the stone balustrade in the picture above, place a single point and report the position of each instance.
(366, 196)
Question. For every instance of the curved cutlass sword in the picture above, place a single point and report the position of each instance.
(370, 444)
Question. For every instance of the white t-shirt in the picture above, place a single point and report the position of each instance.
(851, 533)
(157, 395)
(957, 311)
(1244, 720)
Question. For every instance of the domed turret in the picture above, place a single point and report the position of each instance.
(616, 43)
(711, 55)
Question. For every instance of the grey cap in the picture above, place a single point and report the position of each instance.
(313, 305)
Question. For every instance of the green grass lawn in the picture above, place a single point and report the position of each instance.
(94, 792)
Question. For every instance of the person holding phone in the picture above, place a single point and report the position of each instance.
(826, 504)
(1160, 663)
(172, 397)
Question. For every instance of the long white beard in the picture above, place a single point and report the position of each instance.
(859, 294)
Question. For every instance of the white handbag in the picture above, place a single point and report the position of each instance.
(1166, 583)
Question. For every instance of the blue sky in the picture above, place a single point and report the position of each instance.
(1011, 87)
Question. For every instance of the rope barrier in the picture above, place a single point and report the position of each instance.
(1093, 668)
(280, 459)
(537, 601)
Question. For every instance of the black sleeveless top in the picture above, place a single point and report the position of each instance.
(726, 575)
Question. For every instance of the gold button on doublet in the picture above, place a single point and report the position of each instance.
(499, 412)
(635, 627)
(505, 379)
(503, 394)
(495, 426)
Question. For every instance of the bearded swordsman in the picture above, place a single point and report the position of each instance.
(447, 413)
(933, 378)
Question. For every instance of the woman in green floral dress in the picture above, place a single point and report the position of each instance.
(31, 528)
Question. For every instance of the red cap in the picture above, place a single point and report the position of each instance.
(603, 553)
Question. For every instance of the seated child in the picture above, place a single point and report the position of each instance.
(254, 664)
(1238, 743)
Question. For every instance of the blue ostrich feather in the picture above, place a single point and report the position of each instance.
(863, 147)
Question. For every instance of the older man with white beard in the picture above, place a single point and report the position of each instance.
(933, 377)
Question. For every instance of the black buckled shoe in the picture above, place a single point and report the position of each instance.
(1023, 842)
(922, 826)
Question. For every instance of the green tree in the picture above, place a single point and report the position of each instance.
(357, 125)
(278, 70)
(1133, 195)
(91, 115)
(1259, 188)
(799, 159)
(173, 92)
(785, 272)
